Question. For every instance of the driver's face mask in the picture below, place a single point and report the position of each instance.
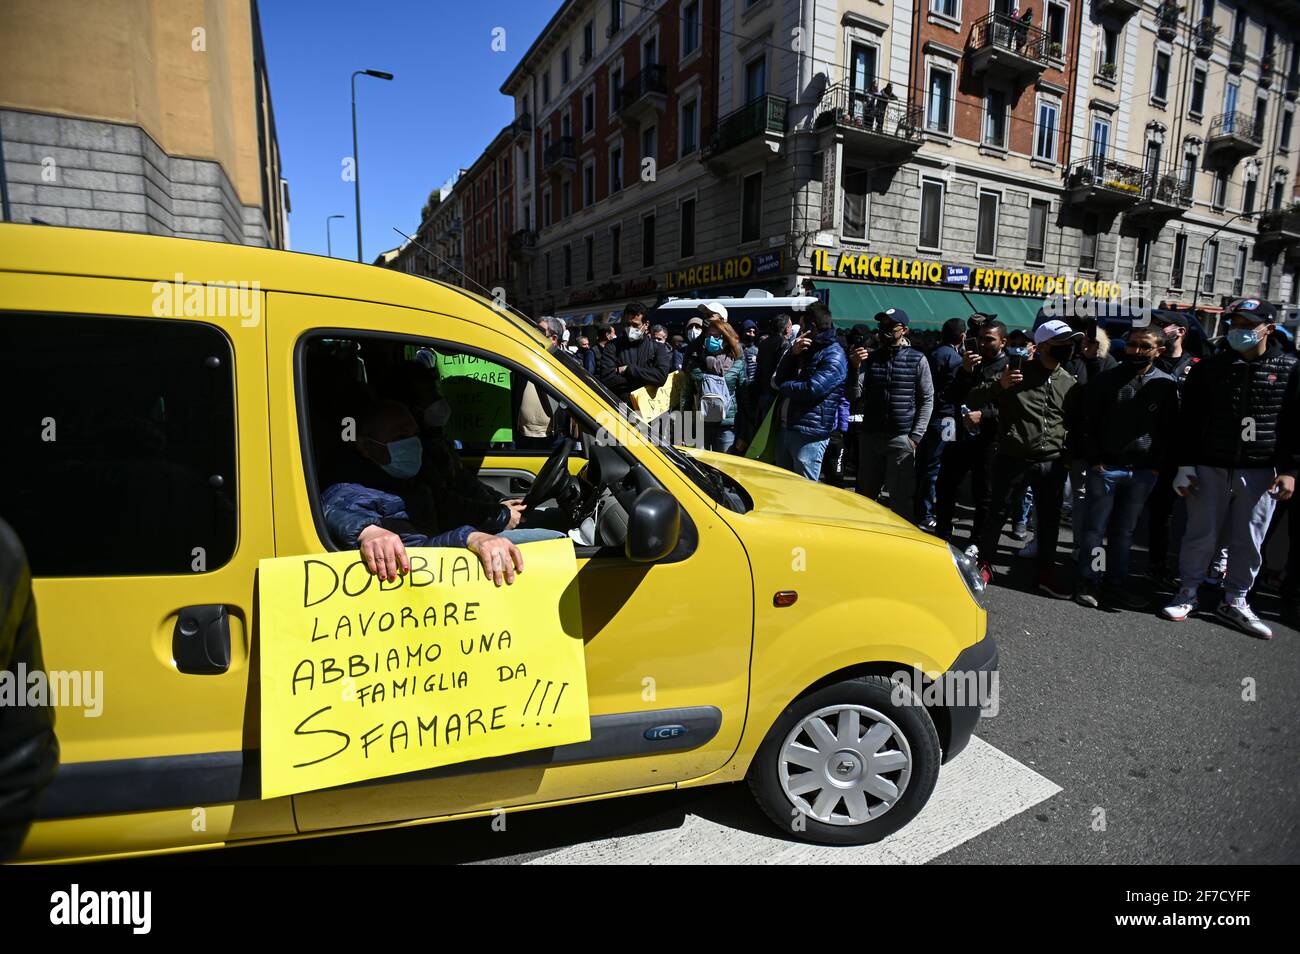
(437, 414)
(404, 458)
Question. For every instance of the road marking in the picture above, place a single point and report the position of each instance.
(980, 790)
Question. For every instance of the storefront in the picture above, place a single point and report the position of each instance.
(728, 277)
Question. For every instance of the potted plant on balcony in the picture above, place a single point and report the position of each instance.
(1054, 51)
(1108, 71)
(1167, 19)
(1206, 31)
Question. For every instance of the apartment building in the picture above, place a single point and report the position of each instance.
(438, 249)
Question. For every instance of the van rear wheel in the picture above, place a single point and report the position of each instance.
(848, 764)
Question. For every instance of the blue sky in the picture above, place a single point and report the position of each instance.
(436, 116)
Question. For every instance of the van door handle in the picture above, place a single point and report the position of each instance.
(201, 639)
(519, 485)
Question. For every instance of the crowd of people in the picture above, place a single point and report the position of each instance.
(1045, 425)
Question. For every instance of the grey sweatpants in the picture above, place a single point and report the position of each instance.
(1232, 506)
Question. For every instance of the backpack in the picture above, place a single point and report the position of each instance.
(712, 398)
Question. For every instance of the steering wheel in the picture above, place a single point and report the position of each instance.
(552, 477)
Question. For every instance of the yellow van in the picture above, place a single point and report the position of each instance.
(169, 407)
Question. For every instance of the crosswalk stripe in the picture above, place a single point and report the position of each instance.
(981, 789)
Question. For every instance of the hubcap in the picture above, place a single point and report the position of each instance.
(845, 765)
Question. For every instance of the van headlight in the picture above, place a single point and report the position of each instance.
(969, 573)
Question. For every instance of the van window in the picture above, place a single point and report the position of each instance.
(119, 438)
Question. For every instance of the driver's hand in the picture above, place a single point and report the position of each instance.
(501, 559)
(516, 508)
(383, 552)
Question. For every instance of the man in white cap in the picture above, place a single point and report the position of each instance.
(1037, 402)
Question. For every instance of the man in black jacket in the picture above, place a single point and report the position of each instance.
(1127, 429)
(29, 751)
(975, 436)
(632, 360)
(1237, 454)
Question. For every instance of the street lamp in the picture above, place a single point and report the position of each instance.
(356, 160)
(1196, 296)
(329, 245)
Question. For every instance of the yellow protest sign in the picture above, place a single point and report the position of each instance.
(363, 679)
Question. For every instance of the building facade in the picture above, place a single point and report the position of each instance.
(139, 116)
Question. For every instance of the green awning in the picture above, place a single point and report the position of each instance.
(1012, 311)
(855, 303)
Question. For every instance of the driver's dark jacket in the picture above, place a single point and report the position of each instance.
(647, 362)
(29, 751)
(405, 507)
(458, 495)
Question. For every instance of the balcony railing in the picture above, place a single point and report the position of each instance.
(766, 114)
(1237, 56)
(1002, 32)
(871, 113)
(522, 126)
(1166, 189)
(560, 151)
(522, 242)
(651, 80)
(1118, 8)
(1241, 126)
(1099, 179)
(1167, 20)
(1280, 225)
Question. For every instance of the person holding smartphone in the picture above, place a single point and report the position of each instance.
(1237, 454)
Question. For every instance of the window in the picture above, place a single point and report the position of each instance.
(1100, 137)
(1038, 211)
(1056, 19)
(1248, 196)
(1152, 163)
(650, 52)
(1266, 280)
(1045, 141)
(589, 111)
(615, 249)
(1239, 272)
(1160, 77)
(548, 271)
(1284, 137)
(1180, 261)
(649, 135)
(615, 85)
(689, 127)
(1088, 242)
(751, 208)
(141, 469)
(686, 231)
(855, 202)
(1189, 173)
(1209, 265)
(1196, 107)
(938, 114)
(690, 28)
(986, 230)
(755, 78)
(566, 125)
(566, 200)
(1220, 197)
(546, 208)
(564, 66)
(588, 41)
(931, 230)
(615, 169)
(995, 118)
(588, 183)
(1277, 195)
(1110, 48)
(546, 87)
(946, 8)
(568, 265)
(1261, 115)
(615, 15)
(589, 247)
(647, 240)
(862, 72)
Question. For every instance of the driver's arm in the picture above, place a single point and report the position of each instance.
(384, 552)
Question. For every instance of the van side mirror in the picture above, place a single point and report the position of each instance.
(653, 526)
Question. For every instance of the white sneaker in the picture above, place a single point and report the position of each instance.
(973, 552)
(1240, 615)
(1181, 606)
(1030, 550)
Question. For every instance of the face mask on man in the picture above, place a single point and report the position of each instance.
(1061, 353)
(1017, 351)
(1243, 339)
(692, 333)
(634, 333)
(404, 458)
(713, 345)
(437, 414)
(1137, 359)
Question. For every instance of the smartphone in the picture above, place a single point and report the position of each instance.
(1016, 361)
(969, 345)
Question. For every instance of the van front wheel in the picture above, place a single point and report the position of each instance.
(848, 764)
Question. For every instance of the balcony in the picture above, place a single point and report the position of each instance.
(1167, 20)
(1293, 87)
(643, 97)
(1164, 196)
(1232, 136)
(455, 226)
(755, 131)
(1267, 66)
(522, 127)
(1119, 9)
(1237, 56)
(1097, 182)
(1204, 35)
(522, 244)
(1005, 46)
(1280, 227)
(558, 158)
(871, 124)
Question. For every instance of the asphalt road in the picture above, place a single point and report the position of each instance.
(1145, 725)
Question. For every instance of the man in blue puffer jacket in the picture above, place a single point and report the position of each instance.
(809, 383)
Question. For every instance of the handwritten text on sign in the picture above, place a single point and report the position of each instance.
(362, 678)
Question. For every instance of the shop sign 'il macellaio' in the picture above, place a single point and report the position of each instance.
(885, 268)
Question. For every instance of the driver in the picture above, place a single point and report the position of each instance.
(383, 508)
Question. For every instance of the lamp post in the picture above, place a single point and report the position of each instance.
(329, 245)
(356, 160)
(1196, 296)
